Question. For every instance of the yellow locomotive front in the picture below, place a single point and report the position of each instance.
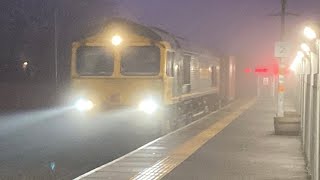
(122, 66)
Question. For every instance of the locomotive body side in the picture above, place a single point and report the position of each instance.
(193, 87)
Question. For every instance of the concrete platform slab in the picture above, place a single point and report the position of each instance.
(247, 149)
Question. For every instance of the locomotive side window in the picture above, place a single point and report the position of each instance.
(170, 62)
(186, 69)
(214, 76)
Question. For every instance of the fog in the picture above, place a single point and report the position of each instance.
(246, 29)
(242, 28)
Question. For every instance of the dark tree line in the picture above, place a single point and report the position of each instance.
(27, 32)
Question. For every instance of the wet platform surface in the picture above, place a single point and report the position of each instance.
(237, 142)
(247, 149)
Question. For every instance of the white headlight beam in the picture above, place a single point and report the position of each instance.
(83, 105)
(148, 106)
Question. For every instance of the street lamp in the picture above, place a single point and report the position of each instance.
(300, 54)
(309, 33)
(297, 60)
(25, 65)
(305, 48)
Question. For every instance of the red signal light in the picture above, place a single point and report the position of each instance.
(261, 70)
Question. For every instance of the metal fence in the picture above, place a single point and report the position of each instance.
(308, 103)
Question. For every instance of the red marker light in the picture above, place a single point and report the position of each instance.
(247, 70)
(275, 69)
(261, 70)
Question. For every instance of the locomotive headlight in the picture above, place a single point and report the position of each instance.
(116, 40)
(83, 105)
(148, 106)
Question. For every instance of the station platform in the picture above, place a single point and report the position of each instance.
(236, 142)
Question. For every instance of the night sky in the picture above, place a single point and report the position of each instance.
(243, 28)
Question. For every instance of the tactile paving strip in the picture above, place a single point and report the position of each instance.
(157, 158)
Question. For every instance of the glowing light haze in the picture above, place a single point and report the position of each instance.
(235, 27)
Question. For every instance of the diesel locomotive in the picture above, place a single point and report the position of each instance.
(130, 65)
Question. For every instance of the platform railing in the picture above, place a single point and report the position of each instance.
(309, 109)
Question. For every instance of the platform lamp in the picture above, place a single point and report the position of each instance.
(311, 33)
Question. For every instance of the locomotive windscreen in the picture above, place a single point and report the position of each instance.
(140, 61)
(94, 61)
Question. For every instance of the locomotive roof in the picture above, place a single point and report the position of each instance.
(155, 34)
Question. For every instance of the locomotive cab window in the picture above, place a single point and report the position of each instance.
(170, 64)
(140, 61)
(94, 61)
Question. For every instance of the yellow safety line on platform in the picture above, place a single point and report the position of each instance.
(182, 152)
